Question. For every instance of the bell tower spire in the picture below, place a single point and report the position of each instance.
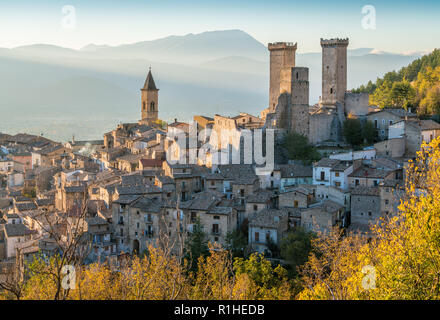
(149, 100)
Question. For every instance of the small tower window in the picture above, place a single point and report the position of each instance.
(297, 76)
(331, 90)
(152, 106)
(143, 105)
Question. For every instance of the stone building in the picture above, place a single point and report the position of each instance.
(323, 216)
(282, 55)
(289, 109)
(384, 118)
(298, 197)
(334, 71)
(149, 100)
(365, 206)
(266, 227)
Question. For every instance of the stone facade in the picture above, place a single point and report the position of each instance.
(289, 109)
(282, 55)
(149, 100)
(334, 71)
(357, 104)
(365, 205)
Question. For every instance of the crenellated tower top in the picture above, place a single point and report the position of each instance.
(334, 42)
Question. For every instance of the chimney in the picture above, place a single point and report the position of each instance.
(175, 120)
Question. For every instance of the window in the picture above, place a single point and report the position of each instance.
(152, 106)
(337, 183)
(143, 105)
(215, 229)
(255, 207)
(295, 203)
(336, 174)
(216, 217)
(375, 123)
(267, 237)
(390, 122)
(322, 175)
(369, 213)
(383, 121)
(257, 236)
(387, 201)
(212, 183)
(193, 216)
(356, 182)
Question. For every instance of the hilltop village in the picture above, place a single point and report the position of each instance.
(125, 194)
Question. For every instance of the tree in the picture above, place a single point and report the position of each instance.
(369, 133)
(295, 249)
(401, 260)
(196, 245)
(298, 148)
(352, 130)
(402, 94)
(268, 282)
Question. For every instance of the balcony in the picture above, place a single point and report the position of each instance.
(216, 232)
(148, 220)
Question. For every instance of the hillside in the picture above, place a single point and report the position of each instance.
(60, 91)
(415, 86)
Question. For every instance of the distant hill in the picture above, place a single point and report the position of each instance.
(415, 86)
(97, 86)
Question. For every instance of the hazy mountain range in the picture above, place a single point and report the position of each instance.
(60, 92)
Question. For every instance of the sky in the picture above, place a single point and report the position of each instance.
(402, 26)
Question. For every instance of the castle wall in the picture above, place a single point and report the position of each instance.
(357, 104)
(322, 127)
(334, 70)
(282, 55)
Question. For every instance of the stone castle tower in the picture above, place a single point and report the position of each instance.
(282, 55)
(334, 71)
(289, 109)
(295, 82)
(149, 100)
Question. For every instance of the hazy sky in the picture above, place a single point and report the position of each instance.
(401, 26)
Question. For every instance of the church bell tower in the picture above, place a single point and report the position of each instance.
(149, 100)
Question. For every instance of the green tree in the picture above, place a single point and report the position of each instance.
(295, 249)
(369, 133)
(402, 94)
(352, 130)
(196, 245)
(299, 148)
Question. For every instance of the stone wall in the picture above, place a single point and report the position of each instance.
(394, 148)
(334, 70)
(357, 104)
(365, 209)
(282, 55)
(323, 126)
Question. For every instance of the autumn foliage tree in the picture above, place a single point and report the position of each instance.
(402, 258)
